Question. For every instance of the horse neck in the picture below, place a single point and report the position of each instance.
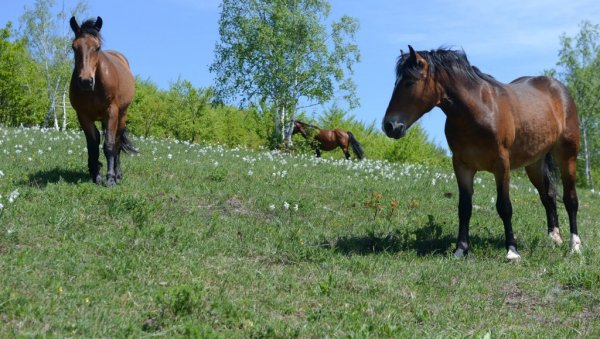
(459, 96)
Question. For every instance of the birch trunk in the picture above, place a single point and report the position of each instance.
(64, 104)
(586, 157)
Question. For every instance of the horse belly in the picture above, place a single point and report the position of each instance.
(529, 149)
(327, 146)
(534, 137)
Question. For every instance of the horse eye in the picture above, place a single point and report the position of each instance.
(409, 83)
(97, 48)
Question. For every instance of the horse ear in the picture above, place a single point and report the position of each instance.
(419, 60)
(74, 25)
(401, 53)
(412, 52)
(98, 24)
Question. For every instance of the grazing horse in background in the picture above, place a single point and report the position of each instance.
(494, 127)
(101, 89)
(328, 140)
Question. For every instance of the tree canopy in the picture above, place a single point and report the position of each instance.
(579, 69)
(280, 52)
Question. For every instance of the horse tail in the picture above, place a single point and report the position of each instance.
(126, 144)
(552, 173)
(356, 146)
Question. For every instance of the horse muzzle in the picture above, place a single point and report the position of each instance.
(393, 128)
(86, 84)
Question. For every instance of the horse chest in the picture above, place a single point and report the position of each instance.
(472, 144)
(89, 103)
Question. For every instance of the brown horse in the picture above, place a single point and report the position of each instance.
(101, 89)
(493, 127)
(328, 140)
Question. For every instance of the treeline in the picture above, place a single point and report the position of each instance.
(189, 114)
(182, 111)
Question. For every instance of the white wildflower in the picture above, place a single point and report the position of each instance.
(1, 174)
(272, 207)
(250, 173)
(13, 196)
(170, 156)
(286, 205)
(295, 207)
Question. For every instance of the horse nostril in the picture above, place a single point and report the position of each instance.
(394, 129)
(388, 127)
(86, 83)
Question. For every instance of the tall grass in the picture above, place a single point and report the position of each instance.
(208, 241)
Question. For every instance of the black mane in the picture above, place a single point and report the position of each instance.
(455, 62)
(89, 27)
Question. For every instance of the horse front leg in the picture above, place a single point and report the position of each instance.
(92, 138)
(504, 206)
(111, 146)
(464, 178)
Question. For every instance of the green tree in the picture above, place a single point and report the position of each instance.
(280, 54)
(49, 42)
(19, 85)
(149, 109)
(187, 104)
(579, 69)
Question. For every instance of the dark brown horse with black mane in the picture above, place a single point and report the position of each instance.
(327, 140)
(494, 127)
(101, 89)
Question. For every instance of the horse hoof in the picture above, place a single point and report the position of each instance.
(460, 253)
(512, 254)
(555, 236)
(111, 182)
(575, 244)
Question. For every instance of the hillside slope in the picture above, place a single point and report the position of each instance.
(202, 240)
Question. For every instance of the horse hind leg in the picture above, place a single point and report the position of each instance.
(567, 164)
(540, 176)
(346, 153)
(119, 143)
(344, 146)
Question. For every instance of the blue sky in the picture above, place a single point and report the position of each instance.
(168, 39)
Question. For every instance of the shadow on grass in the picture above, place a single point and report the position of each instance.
(43, 178)
(424, 241)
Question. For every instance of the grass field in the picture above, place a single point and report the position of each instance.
(210, 242)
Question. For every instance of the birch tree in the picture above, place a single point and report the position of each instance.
(49, 42)
(579, 69)
(282, 53)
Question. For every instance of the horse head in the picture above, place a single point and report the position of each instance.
(414, 94)
(86, 47)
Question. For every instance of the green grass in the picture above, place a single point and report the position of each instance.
(196, 241)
